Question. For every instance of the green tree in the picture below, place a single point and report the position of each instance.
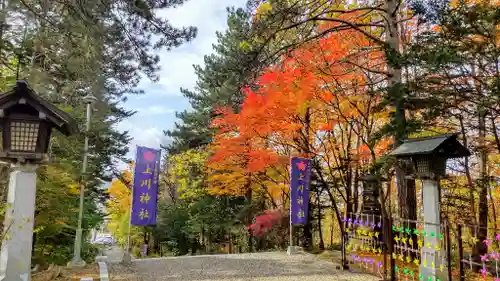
(67, 50)
(226, 71)
(458, 68)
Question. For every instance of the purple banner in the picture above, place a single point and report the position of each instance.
(145, 188)
(299, 189)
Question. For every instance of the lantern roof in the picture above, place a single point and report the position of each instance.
(60, 119)
(445, 145)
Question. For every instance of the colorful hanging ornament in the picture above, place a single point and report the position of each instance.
(484, 272)
(495, 257)
(420, 243)
(441, 236)
(497, 236)
(484, 258)
(486, 242)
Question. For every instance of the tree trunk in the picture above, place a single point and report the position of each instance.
(495, 133)
(321, 242)
(203, 244)
(407, 197)
(248, 197)
(468, 174)
(482, 234)
(331, 232)
(3, 16)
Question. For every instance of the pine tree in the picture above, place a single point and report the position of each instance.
(230, 68)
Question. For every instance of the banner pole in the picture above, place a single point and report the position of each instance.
(291, 225)
(290, 244)
(130, 218)
(127, 258)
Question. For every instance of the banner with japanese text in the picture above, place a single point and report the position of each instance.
(145, 187)
(299, 189)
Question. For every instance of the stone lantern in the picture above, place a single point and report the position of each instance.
(371, 205)
(371, 190)
(428, 157)
(26, 121)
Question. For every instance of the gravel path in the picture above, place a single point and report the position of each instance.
(274, 266)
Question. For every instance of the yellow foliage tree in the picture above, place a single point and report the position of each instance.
(118, 207)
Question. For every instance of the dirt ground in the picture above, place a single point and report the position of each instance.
(59, 273)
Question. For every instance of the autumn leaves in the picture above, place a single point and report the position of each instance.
(316, 102)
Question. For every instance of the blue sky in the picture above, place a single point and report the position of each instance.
(157, 107)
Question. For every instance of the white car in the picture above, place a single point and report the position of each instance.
(104, 240)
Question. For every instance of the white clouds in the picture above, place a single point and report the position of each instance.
(143, 135)
(177, 71)
(146, 127)
(155, 110)
(208, 16)
(149, 137)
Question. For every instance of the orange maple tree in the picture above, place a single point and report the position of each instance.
(318, 102)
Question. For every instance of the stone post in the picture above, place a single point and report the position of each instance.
(15, 257)
(432, 226)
